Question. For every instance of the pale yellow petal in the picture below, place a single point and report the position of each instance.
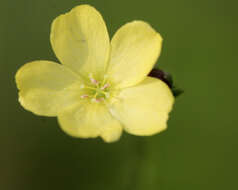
(112, 132)
(135, 49)
(47, 87)
(90, 120)
(144, 109)
(80, 40)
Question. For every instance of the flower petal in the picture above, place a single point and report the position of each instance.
(46, 87)
(89, 120)
(135, 49)
(144, 109)
(80, 40)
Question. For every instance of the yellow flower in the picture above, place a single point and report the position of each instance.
(101, 87)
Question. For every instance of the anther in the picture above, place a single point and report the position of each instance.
(105, 86)
(84, 96)
(97, 99)
(93, 80)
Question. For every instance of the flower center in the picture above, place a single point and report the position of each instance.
(96, 91)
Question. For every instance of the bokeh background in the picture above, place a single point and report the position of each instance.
(199, 149)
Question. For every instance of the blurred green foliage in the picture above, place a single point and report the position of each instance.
(199, 149)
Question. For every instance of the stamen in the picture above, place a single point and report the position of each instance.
(84, 96)
(93, 80)
(97, 100)
(105, 86)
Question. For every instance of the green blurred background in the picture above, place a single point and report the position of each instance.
(199, 149)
